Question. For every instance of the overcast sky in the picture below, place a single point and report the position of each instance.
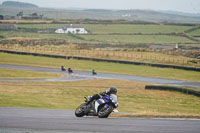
(190, 6)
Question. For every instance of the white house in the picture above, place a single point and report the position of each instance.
(71, 29)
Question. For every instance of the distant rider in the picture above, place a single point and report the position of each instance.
(94, 72)
(70, 70)
(63, 68)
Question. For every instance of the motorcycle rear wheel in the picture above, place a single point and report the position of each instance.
(79, 112)
(104, 113)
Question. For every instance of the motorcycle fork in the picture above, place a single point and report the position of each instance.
(106, 106)
(89, 107)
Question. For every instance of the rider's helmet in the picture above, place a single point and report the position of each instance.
(113, 90)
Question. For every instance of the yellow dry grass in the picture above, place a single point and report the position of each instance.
(151, 57)
(132, 97)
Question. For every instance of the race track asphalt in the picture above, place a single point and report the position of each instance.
(87, 75)
(31, 120)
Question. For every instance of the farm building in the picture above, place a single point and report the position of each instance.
(71, 29)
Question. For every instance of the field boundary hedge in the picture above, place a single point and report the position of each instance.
(170, 88)
(105, 60)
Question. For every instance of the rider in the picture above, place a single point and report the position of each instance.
(94, 72)
(63, 68)
(111, 91)
(70, 70)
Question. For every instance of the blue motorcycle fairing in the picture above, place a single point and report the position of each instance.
(100, 101)
(106, 106)
(105, 99)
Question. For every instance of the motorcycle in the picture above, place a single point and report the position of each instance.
(70, 70)
(102, 107)
(63, 68)
(94, 72)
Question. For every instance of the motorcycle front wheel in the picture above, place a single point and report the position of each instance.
(105, 112)
(79, 112)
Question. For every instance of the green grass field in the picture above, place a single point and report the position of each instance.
(135, 28)
(39, 26)
(97, 39)
(146, 39)
(32, 35)
(12, 73)
(100, 67)
(106, 33)
(195, 32)
(117, 28)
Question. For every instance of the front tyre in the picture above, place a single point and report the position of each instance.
(105, 112)
(79, 112)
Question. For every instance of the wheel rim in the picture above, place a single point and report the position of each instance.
(104, 111)
(79, 109)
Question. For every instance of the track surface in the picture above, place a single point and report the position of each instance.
(28, 120)
(86, 75)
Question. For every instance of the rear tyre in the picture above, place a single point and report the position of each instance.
(104, 113)
(79, 112)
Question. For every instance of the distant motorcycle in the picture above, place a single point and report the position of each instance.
(63, 68)
(102, 107)
(94, 72)
(70, 70)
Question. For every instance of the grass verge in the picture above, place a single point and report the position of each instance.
(12, 73)
(132, 97)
